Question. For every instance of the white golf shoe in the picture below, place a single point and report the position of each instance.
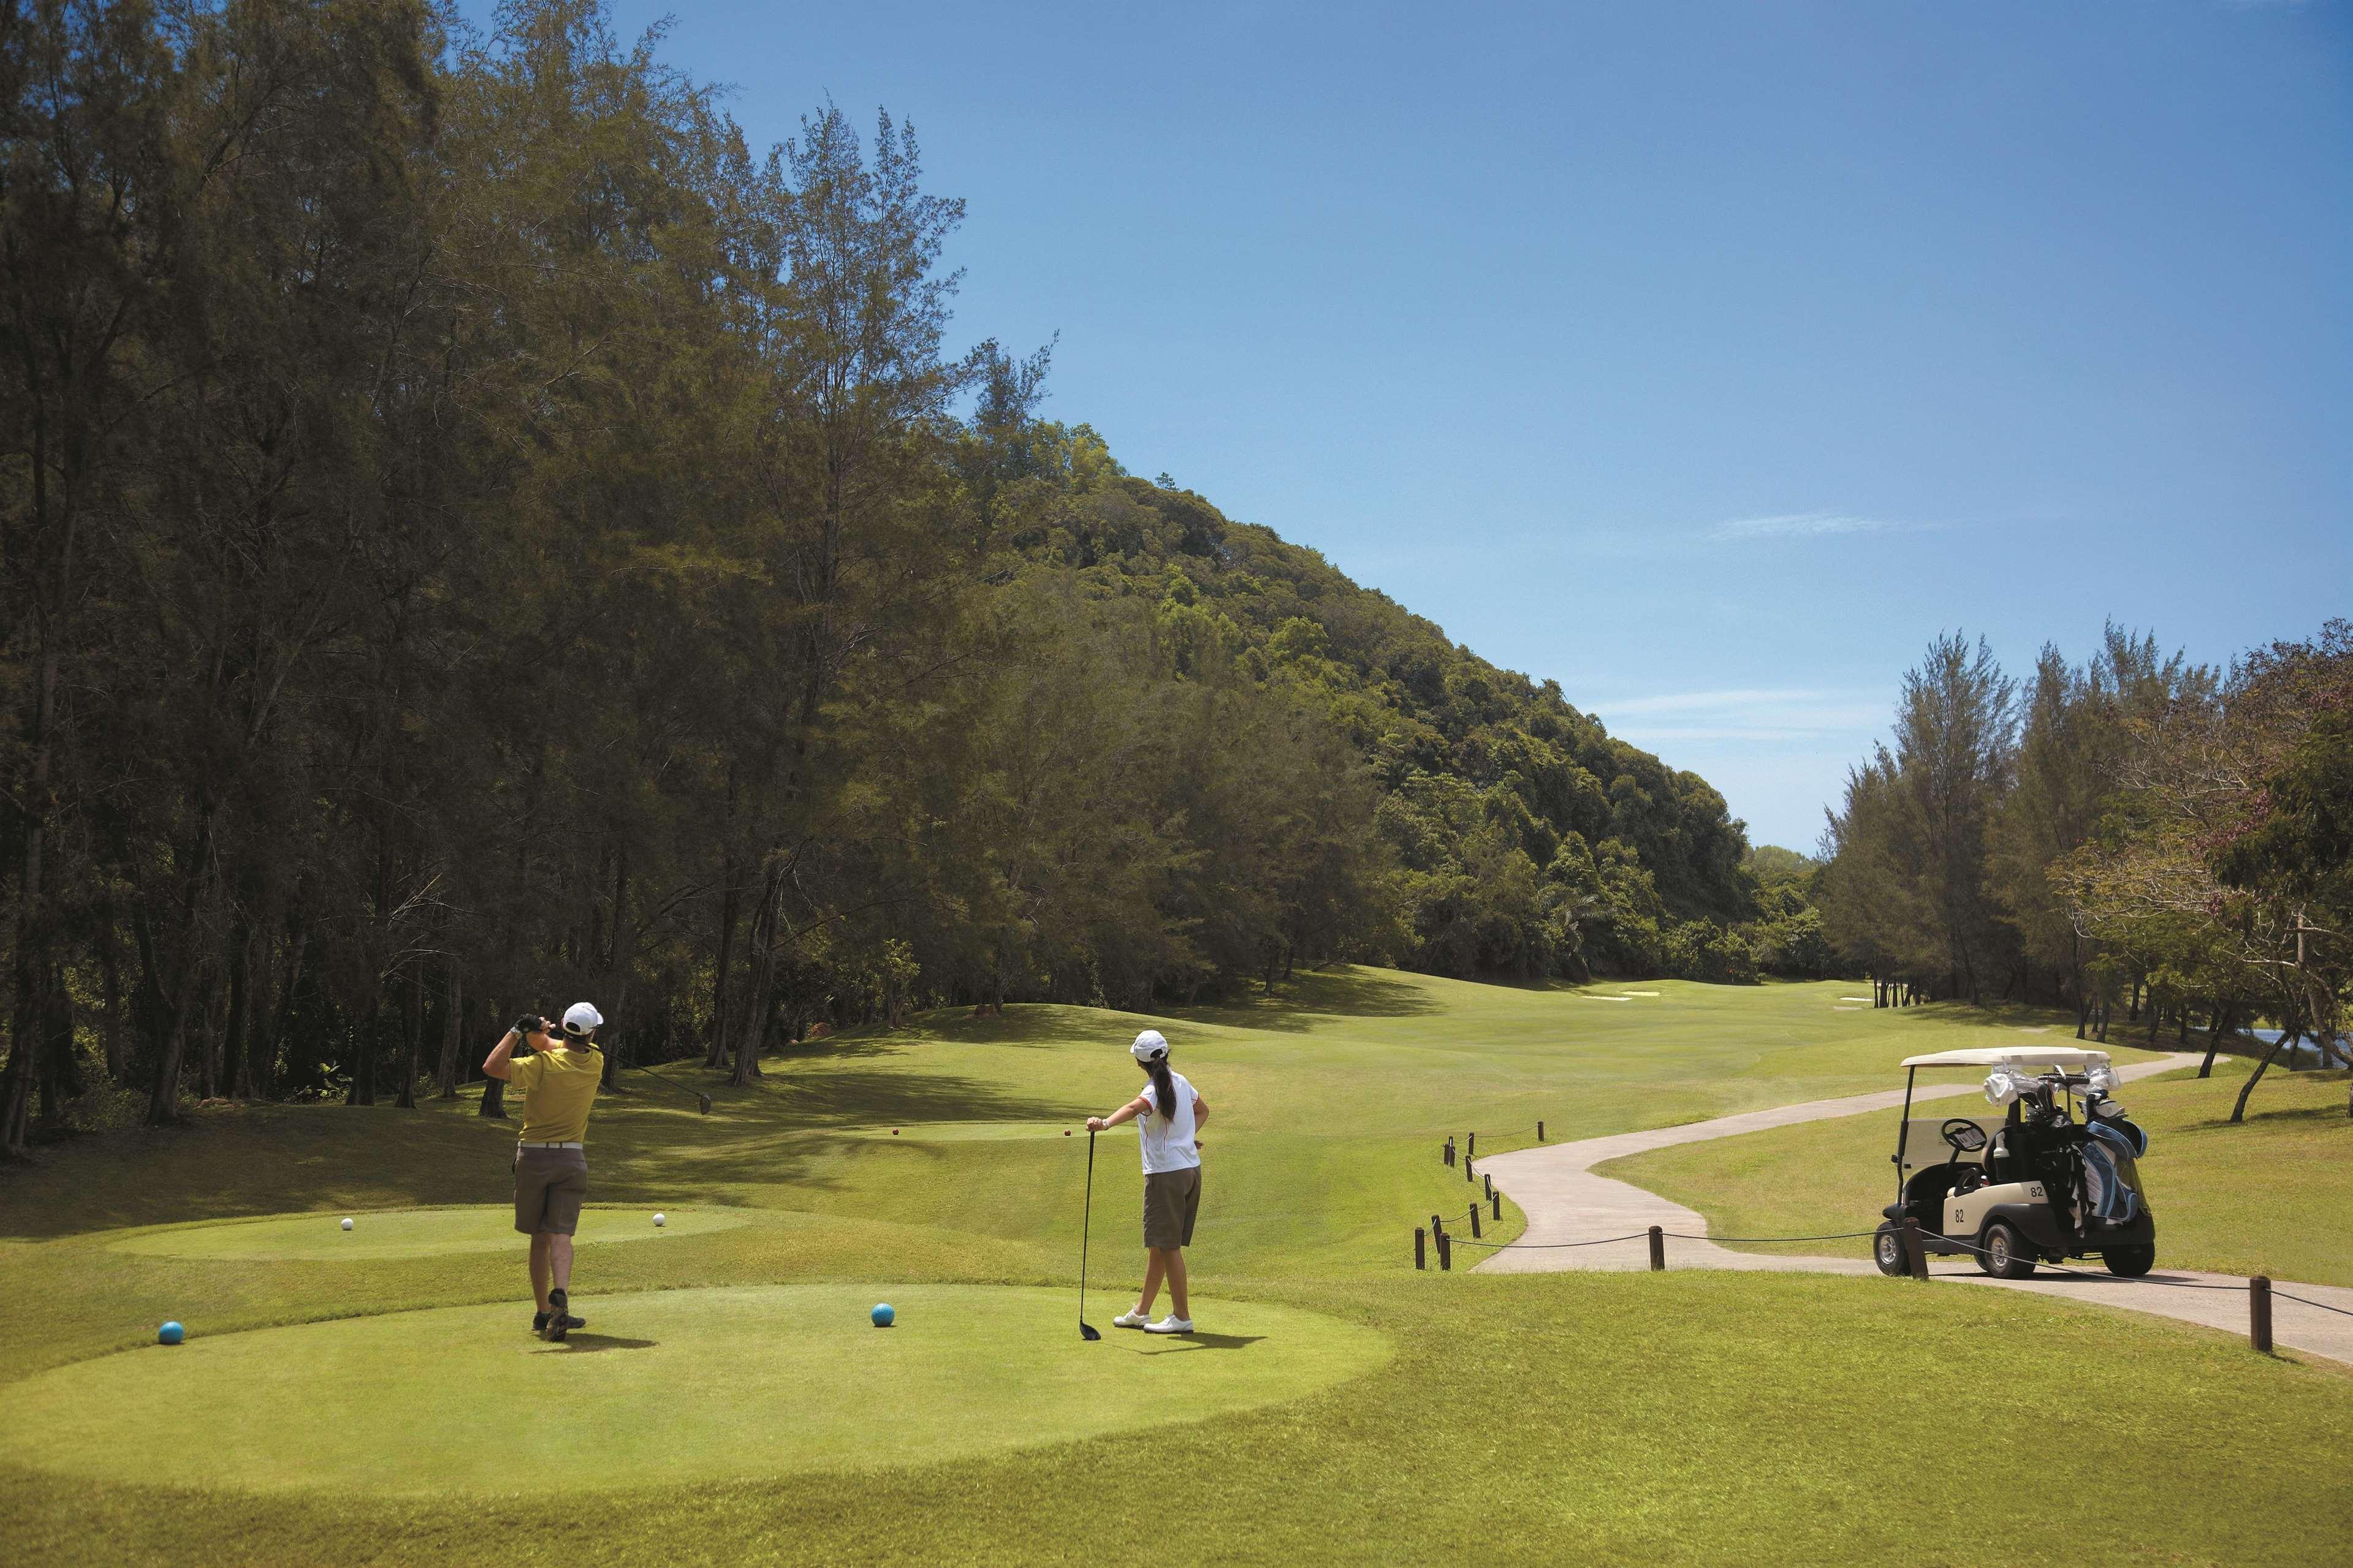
(1132, 1321)
(1171, 1324)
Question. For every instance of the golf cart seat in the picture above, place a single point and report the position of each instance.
(1924, 1194)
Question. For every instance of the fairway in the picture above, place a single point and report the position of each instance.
(1336, 1401)
(409, 1233)
(677, 1386)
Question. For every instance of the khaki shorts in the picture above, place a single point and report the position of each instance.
(1171, 1200)
(549, 1186)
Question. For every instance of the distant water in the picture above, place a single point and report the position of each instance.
(2302, 1051)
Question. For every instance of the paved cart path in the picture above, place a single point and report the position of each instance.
(1556, 1187)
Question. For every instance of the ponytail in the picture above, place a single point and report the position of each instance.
(1164, 1088)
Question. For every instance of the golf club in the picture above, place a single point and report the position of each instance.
(1086, 1330)
(701, 1099)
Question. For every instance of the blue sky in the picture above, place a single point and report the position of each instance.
(1708, 359)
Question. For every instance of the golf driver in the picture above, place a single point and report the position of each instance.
(701, 1099)
(1086, 1226)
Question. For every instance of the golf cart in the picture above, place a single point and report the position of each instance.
(2035, 1184)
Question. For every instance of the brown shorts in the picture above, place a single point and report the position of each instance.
(549, 1186)
(1171, 1200)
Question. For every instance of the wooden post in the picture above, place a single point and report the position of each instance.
(1445, 1253)
(1474, 1221)
(1449, 1155)
(1491, 1184)
(1497, 1199)
(1468, 1174)
(1437, 1225)
(1915, 1256)
(2259, 1313)
(1539, 1131)
(1658, 1250)
(1420, 1238)
(1470, 1148)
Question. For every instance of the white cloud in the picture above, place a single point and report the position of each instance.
(1804, 525)
(1681, 701)
(1770, 715)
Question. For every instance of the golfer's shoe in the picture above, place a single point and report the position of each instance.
(539, 1323)
(1171, 1324)
(1132, 1321)
(560, 1320)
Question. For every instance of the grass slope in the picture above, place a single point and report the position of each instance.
(1603, 1418)
(2264, 1197)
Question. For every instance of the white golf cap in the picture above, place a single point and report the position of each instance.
(1149, 1045)
(581, 1018)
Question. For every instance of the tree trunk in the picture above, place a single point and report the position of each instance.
(2219, 1029)
(453, 1011)
(364, 1036)
(750, 1031)
(235, 1067)
(730, 912)
(282, 1019)
(2287, 1037)
(617, 966)
(174, 971)
(60, 1081)
(109, 993)
(415, 1041)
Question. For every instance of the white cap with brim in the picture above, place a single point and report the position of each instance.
(1150, 1045)
(582, 1019)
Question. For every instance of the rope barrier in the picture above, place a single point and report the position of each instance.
(1835, 1236)
(1546, 1246)
(2309, 1302)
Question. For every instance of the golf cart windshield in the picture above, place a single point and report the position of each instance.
(1924, 1144)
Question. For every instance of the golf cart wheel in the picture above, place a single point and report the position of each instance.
(2130, 1262)
(1887, 1249)
(2005, 1255)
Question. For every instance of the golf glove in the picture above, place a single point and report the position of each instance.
(529, 1022)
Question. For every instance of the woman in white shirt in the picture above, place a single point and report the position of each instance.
(1166, 1115)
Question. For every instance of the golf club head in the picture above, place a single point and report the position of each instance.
(1089, 1331)
(705, 1100)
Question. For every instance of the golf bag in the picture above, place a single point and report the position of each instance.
(2111, 1181)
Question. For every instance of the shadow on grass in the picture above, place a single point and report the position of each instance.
(1314, 997)
(1200, 1341)
(580, 1343)
(235, 1161)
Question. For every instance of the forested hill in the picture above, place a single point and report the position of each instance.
(476, 535)
(1531, 842)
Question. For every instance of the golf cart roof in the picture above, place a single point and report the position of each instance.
(2011, 1056)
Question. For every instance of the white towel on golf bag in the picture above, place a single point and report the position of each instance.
(2005, 1084)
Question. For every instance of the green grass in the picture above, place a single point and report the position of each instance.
(734, 1383)
(1359, 1412)
(2267, 1196)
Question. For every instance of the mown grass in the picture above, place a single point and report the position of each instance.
(2266, 1196)
(1601, 1418)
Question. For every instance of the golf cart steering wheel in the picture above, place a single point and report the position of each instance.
(1957, 1129)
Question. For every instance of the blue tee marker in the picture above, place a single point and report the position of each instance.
(171, 1334)
(883, 1315)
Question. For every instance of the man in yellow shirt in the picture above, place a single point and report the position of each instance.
(559, 1084)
